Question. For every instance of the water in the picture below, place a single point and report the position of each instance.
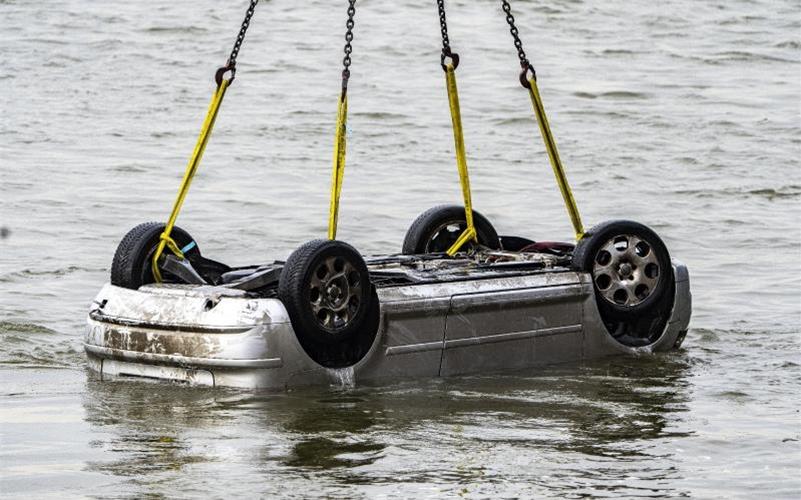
(343, 377)
(684, 115)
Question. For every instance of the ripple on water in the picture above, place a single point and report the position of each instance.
(614, 94)
(28, 345)
(792, 191)
(42, 274)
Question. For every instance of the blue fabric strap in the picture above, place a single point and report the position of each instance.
(189, 246)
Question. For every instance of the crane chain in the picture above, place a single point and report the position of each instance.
(348, 47)
(521, 54)
(446, 42)
(230, 65)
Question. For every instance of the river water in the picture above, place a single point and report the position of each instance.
(681, 114)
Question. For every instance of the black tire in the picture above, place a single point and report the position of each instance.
(630, 267)
(426, 235)
(131, 266)
(326, 289)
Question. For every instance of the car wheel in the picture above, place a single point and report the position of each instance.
(630, 268)
(326, 289)
(438, 228)
(131, 267)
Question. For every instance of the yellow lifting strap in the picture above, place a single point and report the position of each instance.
(194, 161)
(553, 154)
(469, 233)
(338, 173)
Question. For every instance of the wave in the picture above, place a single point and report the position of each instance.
(614, 94)
(30, 345)
(783, 192)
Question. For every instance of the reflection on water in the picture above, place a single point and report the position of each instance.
(476, 430)
(144, 423)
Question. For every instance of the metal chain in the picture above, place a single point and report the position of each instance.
(231, 64)
(348, 47)
(446, 42)
(521, 54)
(241, 36)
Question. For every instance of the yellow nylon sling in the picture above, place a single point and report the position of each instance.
(553, 155)
(469, 233)
(165, 240)
(338, 173)
(530, 83)
(340, 136)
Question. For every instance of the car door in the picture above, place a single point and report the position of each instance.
(513, 323)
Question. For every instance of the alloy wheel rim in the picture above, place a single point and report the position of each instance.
(626, 270)
(335, 292)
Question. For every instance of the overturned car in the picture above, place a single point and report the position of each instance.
(503, 303)
(458, 298)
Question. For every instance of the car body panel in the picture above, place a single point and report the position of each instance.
(217, 336)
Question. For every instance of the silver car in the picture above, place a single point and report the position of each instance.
(328, 315)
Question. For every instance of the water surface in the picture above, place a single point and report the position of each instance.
(680, 114)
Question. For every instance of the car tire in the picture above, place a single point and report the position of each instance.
(426, 235)
(630, 268)
(131, 267)
(325, 287)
